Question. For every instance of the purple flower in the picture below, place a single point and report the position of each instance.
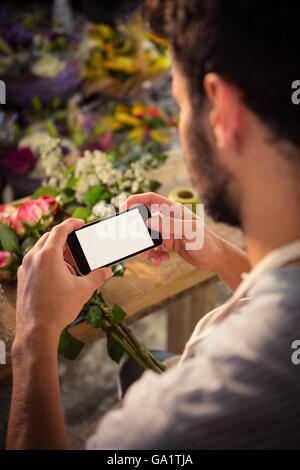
(21, 161)
(17, 35)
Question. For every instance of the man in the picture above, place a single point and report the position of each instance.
(234, 64)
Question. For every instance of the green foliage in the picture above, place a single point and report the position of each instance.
(119, 269)
(96, 194)
(8, 239)
(114, 348)
(94, 316)
(45, 191)
(51, 128)
(72, 182)
(69, 347)
(154, 185)
(118, 314)
(81, 213)
(27, 244)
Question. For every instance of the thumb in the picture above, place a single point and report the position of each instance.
(97, 277)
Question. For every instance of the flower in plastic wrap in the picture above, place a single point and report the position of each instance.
(48, 66)
(46, 88)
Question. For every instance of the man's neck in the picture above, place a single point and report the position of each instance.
(270, 223)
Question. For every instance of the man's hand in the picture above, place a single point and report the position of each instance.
(181, 224)
(216, 255)
(50, 295)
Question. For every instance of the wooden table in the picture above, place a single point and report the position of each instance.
(186, 292)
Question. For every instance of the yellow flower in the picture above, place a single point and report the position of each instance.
(137, 134)
(162, 63)
(160, 135)
(138, 108)
(121, 108)
(126, 64)
(101, 31)
(127, 119)
(157, 39)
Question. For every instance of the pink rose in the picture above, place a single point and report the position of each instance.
(29, 213)
(5, 260)
(32, 211)
(47, 205)
(5, 213)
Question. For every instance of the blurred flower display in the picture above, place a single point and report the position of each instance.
(116, 61)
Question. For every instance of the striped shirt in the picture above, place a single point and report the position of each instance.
(240, 390)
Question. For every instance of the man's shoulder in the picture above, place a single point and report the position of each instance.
(264, 329)
(279, 286)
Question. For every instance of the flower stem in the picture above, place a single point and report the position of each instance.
(143, 355)
(129, 351)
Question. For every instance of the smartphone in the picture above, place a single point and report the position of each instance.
(113, 239)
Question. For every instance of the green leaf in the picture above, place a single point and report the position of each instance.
(94, 316)
(69, 346)
(45, 191)
(96, 194)
(8, 238)
(114, 349)
(156, 122)
(36, 104)
(56, 103)
(27, 244)
(51, 128)
(119, 269)
(81, 213)
(154, 185)
(72, 182)
(118, 314)
(68, 171)
(70, 207)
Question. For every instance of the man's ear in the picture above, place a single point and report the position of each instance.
(225, 116)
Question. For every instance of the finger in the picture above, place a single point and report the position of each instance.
(68, 257)
(156, 254)
(171, 228)
(164, 255)
(71, 269)
(97, 277)
(147, 198)
(59, 233)
(154, 258)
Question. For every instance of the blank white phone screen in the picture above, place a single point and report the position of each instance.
(113, 239)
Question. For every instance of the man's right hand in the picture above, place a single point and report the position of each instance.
(182, 223)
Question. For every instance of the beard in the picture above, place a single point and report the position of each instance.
(213, 182)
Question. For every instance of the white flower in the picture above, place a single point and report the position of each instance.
(135, 186)
(117, 201)
(34, 141)
(102, 209)
(48, 66)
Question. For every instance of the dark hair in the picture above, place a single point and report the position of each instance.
(249, 43)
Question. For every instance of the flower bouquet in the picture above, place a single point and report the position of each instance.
(116, 61)
(139, 122)
(35, 60)
(90, 190)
